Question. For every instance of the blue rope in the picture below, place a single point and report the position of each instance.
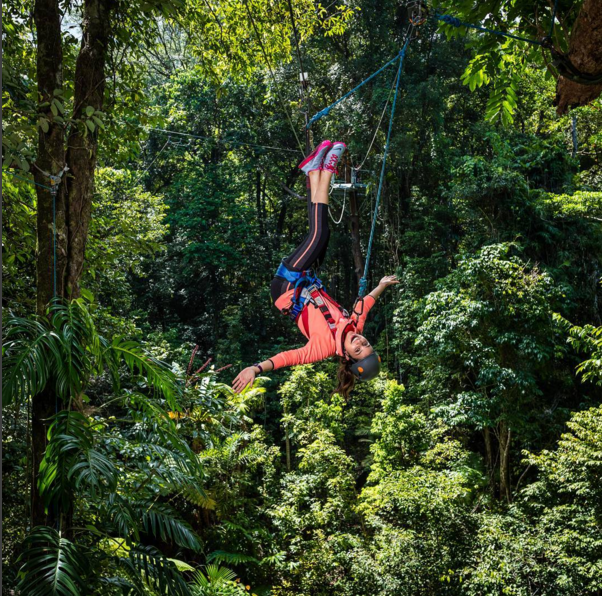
(25, 179)
(456, 22)
(326, 110)
(364, 279)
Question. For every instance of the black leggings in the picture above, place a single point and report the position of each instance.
(310, 253)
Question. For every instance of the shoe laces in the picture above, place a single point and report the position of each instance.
(333, 160)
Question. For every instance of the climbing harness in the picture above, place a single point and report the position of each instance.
(308, 288)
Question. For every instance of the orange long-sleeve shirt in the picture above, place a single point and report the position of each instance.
(321, 344)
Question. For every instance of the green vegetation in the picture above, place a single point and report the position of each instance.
(471, 466)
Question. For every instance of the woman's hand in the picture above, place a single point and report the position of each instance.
(388, 280)
(245, 377)
(385, 282)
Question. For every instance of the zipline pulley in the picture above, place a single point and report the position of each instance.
(354, 184)
(418, 13)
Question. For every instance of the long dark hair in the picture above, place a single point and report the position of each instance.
(345, 378)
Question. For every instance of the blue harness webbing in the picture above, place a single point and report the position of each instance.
(308, 288)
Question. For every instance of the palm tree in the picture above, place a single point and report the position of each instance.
(216, 581)
(107, 483)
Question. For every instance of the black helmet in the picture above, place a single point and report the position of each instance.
(367, 368)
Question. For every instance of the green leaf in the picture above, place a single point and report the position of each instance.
(89, 296)
(162, 521)
(181, 565)
(52, 565)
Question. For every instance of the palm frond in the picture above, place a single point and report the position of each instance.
(29, 353)
(159, 420)
(146, 566)
(214, 576)
(122, 585)
(162, 521)
(181, 565)
(70, 460)
(52, 565)
(121, 517)
(94, 470)
(62, 347)
(158, 376)
(220, 556)
(201, 498)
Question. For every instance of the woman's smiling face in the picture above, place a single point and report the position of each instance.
(357, 346)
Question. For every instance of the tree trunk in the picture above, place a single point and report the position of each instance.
(83, 144)
(574, 136)
(51, 155)
(505, 437)
(489, 458)
(43, 406)
(51, 221)
(61, 247)
(585, 52)
(258, 201)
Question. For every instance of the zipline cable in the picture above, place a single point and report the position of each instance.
(456, 22)
(212, 139)
(150, 165)
(296, 37)
(327, 109)
(26, 179)
(364, 279)
(449, 19)
(303, 83)
(382, 116)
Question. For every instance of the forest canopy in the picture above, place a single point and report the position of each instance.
(150, 190)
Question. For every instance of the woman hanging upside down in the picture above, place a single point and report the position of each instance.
(299, 294)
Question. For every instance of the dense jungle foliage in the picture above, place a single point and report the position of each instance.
(471, 466)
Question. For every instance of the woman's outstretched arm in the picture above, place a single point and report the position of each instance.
(247, 375)
(385, 282)
(365, 305)
(312, 351)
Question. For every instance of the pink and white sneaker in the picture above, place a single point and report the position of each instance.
(331, 161)
(314, 160)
